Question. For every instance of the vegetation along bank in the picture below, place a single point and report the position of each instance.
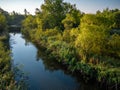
(87, 43)
(7, 80)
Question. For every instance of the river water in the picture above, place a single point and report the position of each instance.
(41, 74)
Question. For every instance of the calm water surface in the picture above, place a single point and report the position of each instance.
(42, 74)
(39, 78)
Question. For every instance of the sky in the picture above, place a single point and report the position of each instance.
(87, 6)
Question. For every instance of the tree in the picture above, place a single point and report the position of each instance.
(29, 22)
(26, 12)
(37, 11)
(116, 18)
(72, 19)
(114, 45)
(53, 12)
(3, 23)
(112, 15)
(93, 37)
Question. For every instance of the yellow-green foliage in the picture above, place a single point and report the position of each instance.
(6, 76)
(3, 23)
(30, 22)
(70, 36)
(114, 45)
(92, 39)
(87, 47)
(7, 81)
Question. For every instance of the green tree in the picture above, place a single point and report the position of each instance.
(112, 15)
(116, 18)
(114, 45)
(15, 19)
(93, 37)
(72, 19)
(3, 23)
(29, 22)
(53, 12)
(26, 12)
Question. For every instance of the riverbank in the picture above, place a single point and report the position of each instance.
(38, 71)
(86, 43)
(7, 70)
(7, 81)
(106, 72)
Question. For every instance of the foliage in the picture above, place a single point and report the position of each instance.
(69, 36)
(72, 19)
(29, 22)
(3, 23)
(112, 15)
(114, 45)
(93, 37)
(7, 81)
(84, 44)
(6, 75)
(15, 19)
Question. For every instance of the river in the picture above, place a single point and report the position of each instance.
(42, 74)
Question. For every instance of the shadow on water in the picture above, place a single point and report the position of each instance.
(52, 65)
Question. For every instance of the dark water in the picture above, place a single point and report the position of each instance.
(42, 74)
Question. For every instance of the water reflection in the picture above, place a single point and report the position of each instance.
(52, 65)
(44, 73)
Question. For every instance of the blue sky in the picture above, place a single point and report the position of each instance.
(87, 6)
